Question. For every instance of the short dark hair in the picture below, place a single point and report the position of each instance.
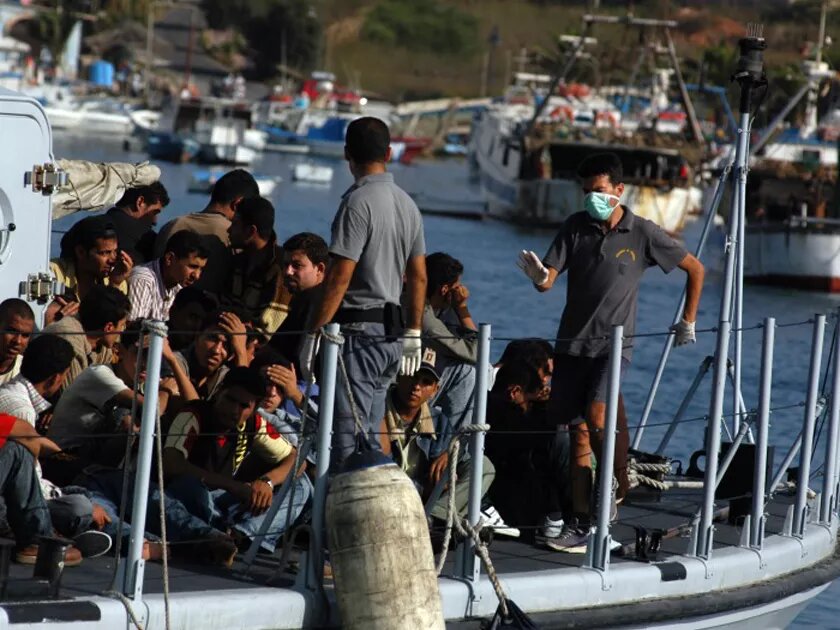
(247, 378)
(534, 352)
(267, 355)
(46, 356)
(130, 337)
(520, 373)
(601, 164)
(85, 233)
(152, 193)
(189, 295)
(103, 305)
(315, 248)
(441, 269)
(15, 306)
(367, 140)
(233, 185)
(186, 243)
(259, 212)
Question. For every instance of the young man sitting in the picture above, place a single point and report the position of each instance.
(90, 256)
(45, 365)
(26, 511)
(186, 315)
(152, 287)
(224, 462)
(94, 330)
(418, 437)
(17, 321)
(100, 400)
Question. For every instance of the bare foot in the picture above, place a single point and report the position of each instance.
(153, 550)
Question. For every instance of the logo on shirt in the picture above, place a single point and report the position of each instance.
(627, 251)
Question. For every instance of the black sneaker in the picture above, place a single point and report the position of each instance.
(572, 539)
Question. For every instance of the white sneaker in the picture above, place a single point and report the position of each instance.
(552, 528)
(494, 520)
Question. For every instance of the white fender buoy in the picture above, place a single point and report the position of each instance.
(382, 561)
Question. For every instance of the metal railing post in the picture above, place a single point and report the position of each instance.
(686, 401)
(763, 434)
(808, 424)
(470, 567)
(606, 459)
(135, 565)
(669, 340)
(828, 506)
(329, 364)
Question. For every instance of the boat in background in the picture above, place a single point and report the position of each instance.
(98, 115)
(307, 172)
(202, 181)
(792, 235)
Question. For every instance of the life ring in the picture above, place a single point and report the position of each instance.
(607, 116)
(562, 111)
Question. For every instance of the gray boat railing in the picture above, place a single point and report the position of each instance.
(801, 513)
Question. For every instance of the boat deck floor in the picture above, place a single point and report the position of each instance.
(671, 514)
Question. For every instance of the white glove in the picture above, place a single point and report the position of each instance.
(308, 352)
(684, 333)
(412, 350)
(532, 266)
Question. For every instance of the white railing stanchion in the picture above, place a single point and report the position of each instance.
(762, 434)
(135, 565)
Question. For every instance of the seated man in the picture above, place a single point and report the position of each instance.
(94, 330)
(152, 287)
(17, 321)
(190, 308)
(222, 335)
(99, 402)
(26, 510)
(45, 365)
(449, 330)
(224, 462)
(256, 276)
(305, 258)
(418, 436)
(134, 217)
(532, 476)
(90, 256)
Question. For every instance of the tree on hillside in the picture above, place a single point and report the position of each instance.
(265, 24)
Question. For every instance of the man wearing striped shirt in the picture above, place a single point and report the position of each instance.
(152, 287)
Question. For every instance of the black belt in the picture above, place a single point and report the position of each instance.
(360, 315)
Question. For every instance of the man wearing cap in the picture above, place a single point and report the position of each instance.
(377, 240)
(606, 250)
(417, 436)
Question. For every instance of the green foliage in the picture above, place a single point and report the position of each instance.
(265, 24)
(422, 25)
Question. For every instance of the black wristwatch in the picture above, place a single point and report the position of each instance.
(267, 480)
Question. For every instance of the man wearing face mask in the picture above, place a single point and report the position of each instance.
(606, 250)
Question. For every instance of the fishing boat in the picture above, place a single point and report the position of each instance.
(732, 545)
(524, 150)
(311, 173)
(98, 115)
(793, 236)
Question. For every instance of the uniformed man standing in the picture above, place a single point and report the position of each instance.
(606, 250)
(377, 240)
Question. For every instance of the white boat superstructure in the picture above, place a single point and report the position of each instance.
(98, 115)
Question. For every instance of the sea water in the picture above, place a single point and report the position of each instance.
(502, 296)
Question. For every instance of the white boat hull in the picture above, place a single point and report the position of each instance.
(312, 173)
(799, 257)
(228, 154)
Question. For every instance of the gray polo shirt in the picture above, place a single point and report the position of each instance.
(605, 269)
(379, 226)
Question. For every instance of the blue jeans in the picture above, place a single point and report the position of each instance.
(71, 514)
(372, 363)
(456, 392)
(26, 510)
(106, 489)
(221, 509)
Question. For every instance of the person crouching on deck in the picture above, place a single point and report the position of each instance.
(606, 249)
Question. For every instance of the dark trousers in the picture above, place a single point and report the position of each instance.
(26, 510)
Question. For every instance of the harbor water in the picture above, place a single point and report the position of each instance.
(501, 295)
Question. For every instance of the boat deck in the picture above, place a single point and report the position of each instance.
(671, 515)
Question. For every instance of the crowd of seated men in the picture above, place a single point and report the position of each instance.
(230, 396)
